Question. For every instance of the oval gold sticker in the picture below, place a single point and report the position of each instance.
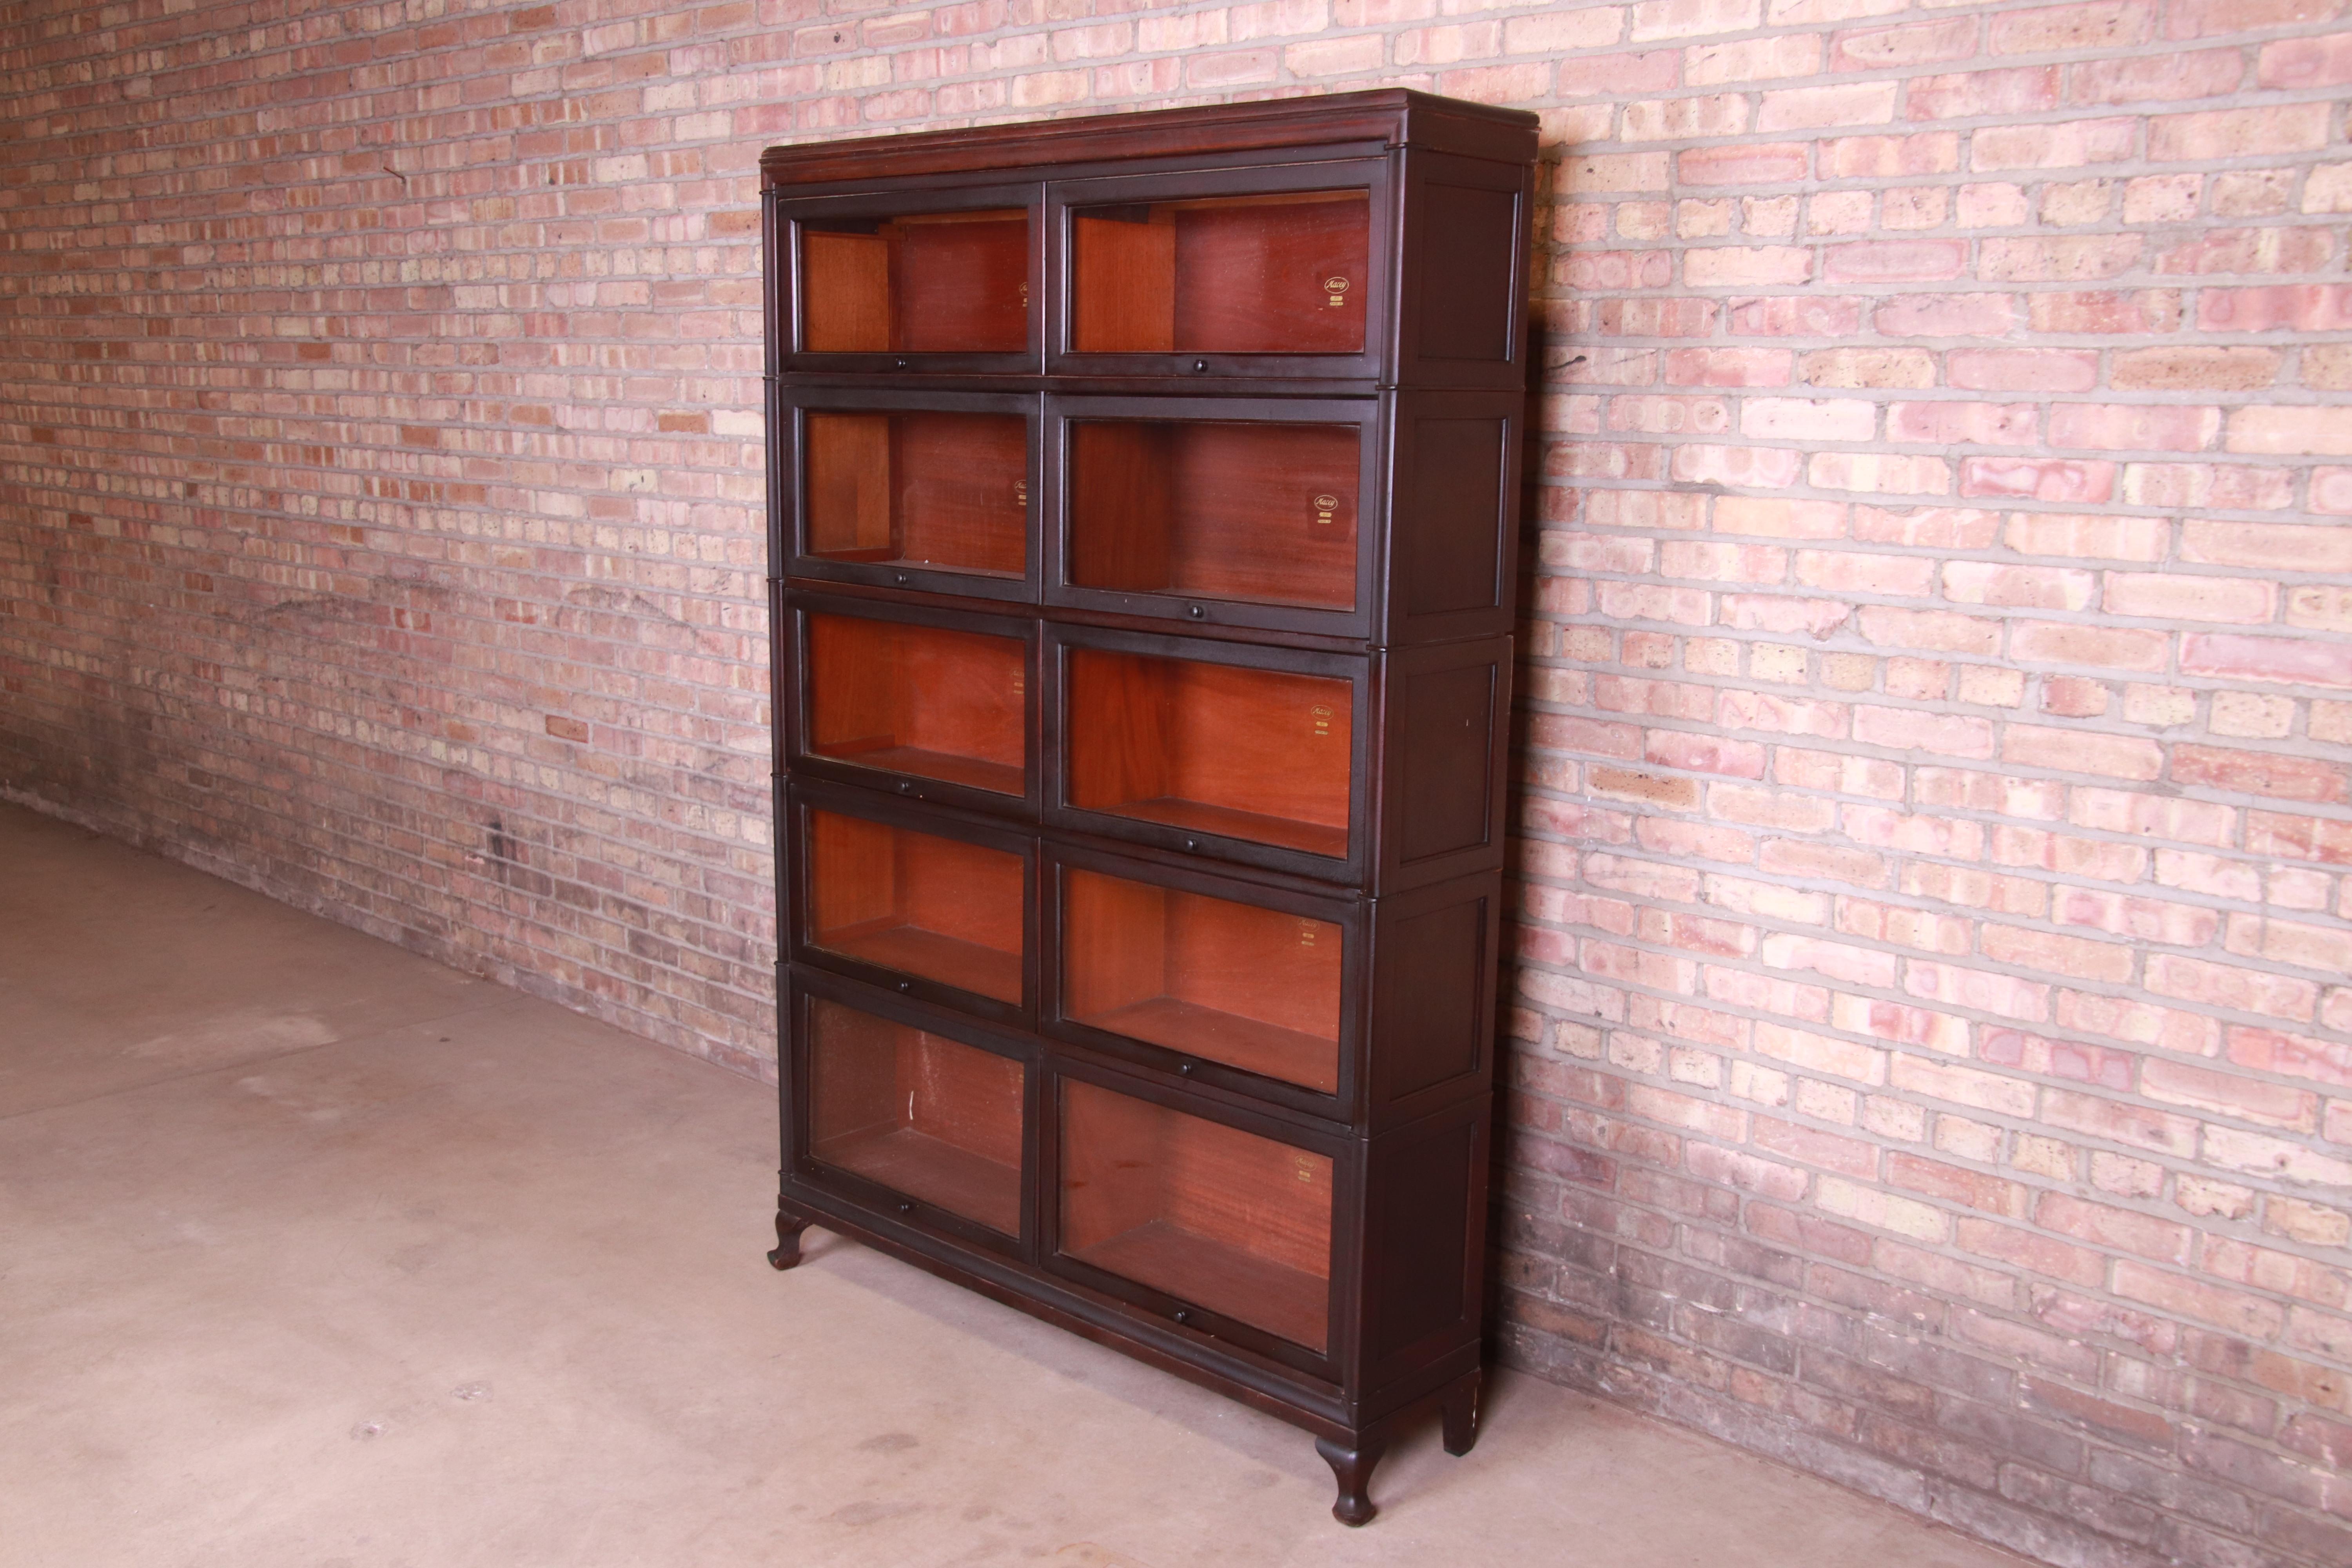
(1335, 285)
(1326, 503)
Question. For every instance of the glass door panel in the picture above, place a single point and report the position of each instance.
(917, 487)
(1260, 755)
(941, 704)
(1280, 274)
(1207, 1213)
(1259, 512)
(1254, 988)
(952, 282)
(916, 902)
(924, 1115)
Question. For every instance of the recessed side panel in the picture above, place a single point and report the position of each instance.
(1424, 1243)
(1432, 995)
(1463, 322)
(1444, 735)
(1454, 516)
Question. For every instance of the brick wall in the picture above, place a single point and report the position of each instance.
(1935, 1048)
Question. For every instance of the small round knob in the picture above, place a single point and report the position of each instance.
(1183, 1315)
(1192, 844)
(906, 788)
(906, 985)
(1184, 1067)
(1200, 365)
(898, 364)
(1196, 612)
(906, 1208)
(898, 577)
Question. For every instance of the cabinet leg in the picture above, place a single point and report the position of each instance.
(1462, 1414)
(1353, 1468)
(789, 1226)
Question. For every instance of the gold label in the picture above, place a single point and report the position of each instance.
(1307, 934)
(1325, 506)
(1306, 1168)
(1336, 288)
(1024, 296)
(1021, 492)
(1021, 683)
(1322, 716)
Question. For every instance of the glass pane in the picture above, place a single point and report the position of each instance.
(1278, 274)
(1259, 512)
(1254, 989)
(929, 1116)
(919, 488)
(1238, 1222)
(941, 704)
(916, 902)
(929, 283)
(1260, 755)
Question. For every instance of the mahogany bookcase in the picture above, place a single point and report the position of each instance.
(1144, 521)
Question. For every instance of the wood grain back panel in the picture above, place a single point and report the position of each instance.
(1123, 281)
(959, 890)
(1260, 741)
(1113, 936)
(1264, 512)
(960, 1094)
(846, 488)
(1276, 274)
(962, 283)
(853, 873)
(959, 490)
(1277, 967)
(844, 292)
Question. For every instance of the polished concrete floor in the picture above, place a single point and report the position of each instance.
(314, 1252)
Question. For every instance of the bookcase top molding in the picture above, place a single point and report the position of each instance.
(1387, 116)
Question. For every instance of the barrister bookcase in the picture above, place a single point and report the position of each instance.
(1144, 501)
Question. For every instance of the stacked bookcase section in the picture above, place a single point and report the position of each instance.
(1144, 500)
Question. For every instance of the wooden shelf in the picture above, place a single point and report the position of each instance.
(1280, 274)
(1267, 1049)
(921, 700)
(954, 282)
(1289, 1303)
(1258, 514)
(1237, 1222)
(911, 950)
(1257, 754)
(945, 491)
(936, 1171)
(1251, 987)
(930, 1117)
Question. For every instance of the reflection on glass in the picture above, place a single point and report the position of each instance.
(1239, 1224)
(927, 1116)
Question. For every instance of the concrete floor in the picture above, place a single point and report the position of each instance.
(315, 1253)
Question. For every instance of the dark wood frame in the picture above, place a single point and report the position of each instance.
(1207, 611)
(1439, 388)
(1336, 172)
(1360, 673)
(1214, 1079)
(785, 221)
(801, 760)
(789, 402)
(802, 796)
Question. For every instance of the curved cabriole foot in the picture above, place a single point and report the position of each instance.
(1461, 1415)
(1353, 1468)
(789, 1226)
